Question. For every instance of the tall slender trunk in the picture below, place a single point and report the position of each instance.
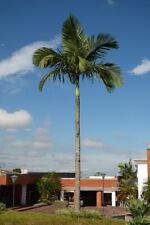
(77, 150)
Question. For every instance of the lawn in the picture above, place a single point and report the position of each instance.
(28, 218)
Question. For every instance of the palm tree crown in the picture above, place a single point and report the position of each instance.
(79, 56)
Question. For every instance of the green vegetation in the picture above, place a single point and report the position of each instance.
(39, 204)
(146, 192)
(137, 207)
(127, 184)
(79, 57)
(2, 207)
(58, 202)
(17, 170)
(139, 210)
(81, 214)
(27, 218)
(49, 187)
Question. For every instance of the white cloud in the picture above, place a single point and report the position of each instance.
(15, 120)
(89, 143)
(21, 60)
(143, 68)
(41, 134)
(41, 140)
(20, 144)
(110, 2)
(41, 145)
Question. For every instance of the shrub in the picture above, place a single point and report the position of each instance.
(2, 207)
(138, 207)
(139, 220)
(81, 214)
(58, 202)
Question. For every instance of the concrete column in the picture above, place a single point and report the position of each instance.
(24, 194)
(61, 195)
(113, 198)
(99, 199)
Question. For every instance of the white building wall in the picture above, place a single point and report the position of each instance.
(142, 176)
(113, 198)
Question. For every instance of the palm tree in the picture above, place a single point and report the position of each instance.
(127, 191)
(128, 180)
(79, 57)
(127, 170)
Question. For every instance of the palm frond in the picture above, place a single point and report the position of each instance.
(55, 74)
(98, 47)
(44, 57)
(74, 40)
(85, 65)
(110, 74)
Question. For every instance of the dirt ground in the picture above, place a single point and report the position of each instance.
(108, 211)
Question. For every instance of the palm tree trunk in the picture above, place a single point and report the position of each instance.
(77, 146)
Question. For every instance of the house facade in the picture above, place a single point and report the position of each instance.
(95, 190)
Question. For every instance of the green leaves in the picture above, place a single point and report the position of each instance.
(138, 209)
(146, 192)
(74, 40)
(79, 57)
(100, 45)
(44, 57)
(84, 65)
(49, 186)
(110, 74)
(127, 184)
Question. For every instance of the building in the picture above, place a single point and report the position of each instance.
(95, 190)
(25, 187)
(143, 172)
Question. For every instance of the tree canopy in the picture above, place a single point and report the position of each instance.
(49, 187)
(127, 183)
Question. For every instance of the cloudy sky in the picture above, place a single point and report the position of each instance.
(37, 129)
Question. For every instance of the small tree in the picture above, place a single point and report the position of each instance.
(17, 170)
(49, 187)
(127, 170)
(127, 184)
(138, 209)
(127, 191)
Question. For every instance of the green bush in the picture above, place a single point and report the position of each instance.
(2, 207)
(139, 220)
(138, 207)
(139, 210)
(82, 214)
(58, 202)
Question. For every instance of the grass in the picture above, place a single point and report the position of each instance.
(93, 214)
(27, 218)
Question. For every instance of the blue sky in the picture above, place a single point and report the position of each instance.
(37, 129)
